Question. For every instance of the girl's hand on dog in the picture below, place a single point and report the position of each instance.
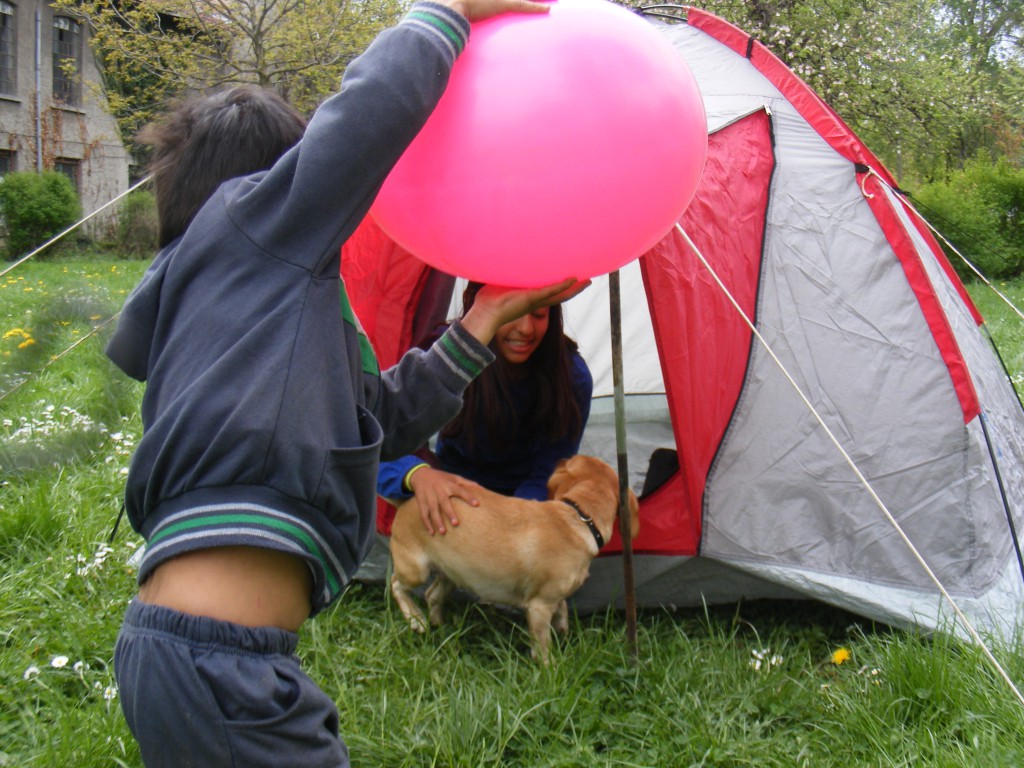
(434, 490)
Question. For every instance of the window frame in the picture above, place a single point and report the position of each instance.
(67, 45)
(72, 168)
(9, 48)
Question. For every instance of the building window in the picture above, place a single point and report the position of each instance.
(8, 60)
(67, 60)
(6, 162)
(69, 168)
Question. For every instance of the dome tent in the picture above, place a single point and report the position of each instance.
(743, 494)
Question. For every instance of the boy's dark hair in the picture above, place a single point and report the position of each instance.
(554, 413)
(205, 140)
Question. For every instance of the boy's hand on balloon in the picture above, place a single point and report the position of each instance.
(496, 305)
(477, 10)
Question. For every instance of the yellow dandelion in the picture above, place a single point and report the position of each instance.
(840, 655)
(26, 343)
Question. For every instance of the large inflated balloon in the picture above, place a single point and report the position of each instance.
(566, 144)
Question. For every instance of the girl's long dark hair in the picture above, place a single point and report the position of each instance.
(554, 413)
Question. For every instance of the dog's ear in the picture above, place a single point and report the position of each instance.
(559, 478)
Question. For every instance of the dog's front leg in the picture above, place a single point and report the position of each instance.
(411, 611)
(436, 594)
(538, 617)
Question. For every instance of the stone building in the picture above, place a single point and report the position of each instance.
(53, 115)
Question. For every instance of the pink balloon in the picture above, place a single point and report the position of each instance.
(566, 145)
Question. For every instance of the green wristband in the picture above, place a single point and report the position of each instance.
(409, 474)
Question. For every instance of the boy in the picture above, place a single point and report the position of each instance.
(264, 414)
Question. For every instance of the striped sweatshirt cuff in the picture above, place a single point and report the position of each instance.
(464, 355)
(448, 27)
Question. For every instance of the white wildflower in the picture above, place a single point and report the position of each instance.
(763, 658)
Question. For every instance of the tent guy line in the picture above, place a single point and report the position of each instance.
(55, 358)
(42, 248)
(73, 227)
(856, 470)
(1006, 299)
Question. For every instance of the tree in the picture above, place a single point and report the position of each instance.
(990, 30)
(981, 212)
(927, 86)
(34, 207)
(153, 50)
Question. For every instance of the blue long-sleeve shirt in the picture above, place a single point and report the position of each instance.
(520, 468)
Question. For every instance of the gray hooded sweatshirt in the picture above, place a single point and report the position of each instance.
(264, 414)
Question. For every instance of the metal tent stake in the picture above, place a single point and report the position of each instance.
(623, 461)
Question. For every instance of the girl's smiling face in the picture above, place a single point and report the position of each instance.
(517, 340)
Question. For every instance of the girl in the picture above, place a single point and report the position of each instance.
(519, 418)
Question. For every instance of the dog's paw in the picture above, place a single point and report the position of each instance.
(541, 656)
(417, 624)
(560, 620)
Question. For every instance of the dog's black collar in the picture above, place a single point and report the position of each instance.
(589, 521)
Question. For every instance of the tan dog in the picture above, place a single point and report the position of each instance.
(530, 554)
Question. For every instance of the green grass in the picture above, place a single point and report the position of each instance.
(740, 685)
(1005, 325)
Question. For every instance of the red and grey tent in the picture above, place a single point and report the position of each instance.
(769, 463)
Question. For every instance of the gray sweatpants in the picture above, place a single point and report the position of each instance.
(200, 692)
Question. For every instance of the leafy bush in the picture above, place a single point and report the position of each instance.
(138, 228)
(980, 210)
(35, 207)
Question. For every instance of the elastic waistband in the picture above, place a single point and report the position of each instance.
(251, 516)
(144, 617)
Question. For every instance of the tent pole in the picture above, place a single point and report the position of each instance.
(620, 445)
